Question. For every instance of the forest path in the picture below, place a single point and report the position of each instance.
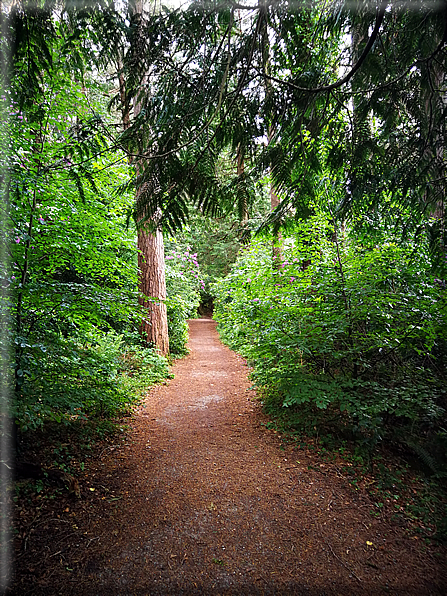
(206, 502)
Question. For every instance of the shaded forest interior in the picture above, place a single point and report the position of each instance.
(281, 167)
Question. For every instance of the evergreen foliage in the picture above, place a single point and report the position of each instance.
(226, 78)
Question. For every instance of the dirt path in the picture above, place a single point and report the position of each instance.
(204, 501)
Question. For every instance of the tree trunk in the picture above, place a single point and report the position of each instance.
(151, 259)
(266, 66)
(359, 37)
(242, 190)
(433, 128)
(151, 264)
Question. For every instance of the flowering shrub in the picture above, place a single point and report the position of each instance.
(183, 277)
(184, 283)
(72, 271)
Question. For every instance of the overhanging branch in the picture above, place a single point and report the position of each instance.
(324, 88)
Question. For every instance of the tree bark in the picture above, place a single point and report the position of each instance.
(152, 283)
(359, 35)
(266, 67)
(242, 204)
(151, 259)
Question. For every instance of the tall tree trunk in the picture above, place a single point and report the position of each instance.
(152, 283)
(359, 37)
(151, 259)
(433, 128)
(242, 189)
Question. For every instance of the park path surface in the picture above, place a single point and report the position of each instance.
(203, 500)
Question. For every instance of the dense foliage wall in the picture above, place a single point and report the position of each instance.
(69, 268)
(344, 335)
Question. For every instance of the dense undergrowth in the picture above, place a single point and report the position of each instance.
(69, 315)
(347, 341)
(96, 376)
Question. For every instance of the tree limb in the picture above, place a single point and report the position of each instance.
(379, 19)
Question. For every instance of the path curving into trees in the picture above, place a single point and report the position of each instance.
(202, 499)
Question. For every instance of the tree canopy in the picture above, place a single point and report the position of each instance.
(351, 91)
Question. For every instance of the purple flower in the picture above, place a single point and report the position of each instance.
(255, 299)
(41, 220)
(169, 258)
(18, 240)
(292, 279)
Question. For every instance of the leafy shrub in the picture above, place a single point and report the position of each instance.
(177, 325)
(183, 277)
(70, 378)
(339, 328)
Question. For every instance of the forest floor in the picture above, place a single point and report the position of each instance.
(202, 498)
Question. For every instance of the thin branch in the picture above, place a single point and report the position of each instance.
(237, 92)
(429, 58)
(354, 69)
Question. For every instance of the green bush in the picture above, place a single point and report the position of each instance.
(177, 325)
(71, 378)
(340, 328)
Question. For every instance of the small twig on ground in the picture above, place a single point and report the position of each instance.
(106, 449)
(54, 554)
(343, 563)
(91, 540)
(46, 519)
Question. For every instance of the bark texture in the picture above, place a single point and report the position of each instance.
(266, 63)
(151, 259)
(243, 204)
(151, 264)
